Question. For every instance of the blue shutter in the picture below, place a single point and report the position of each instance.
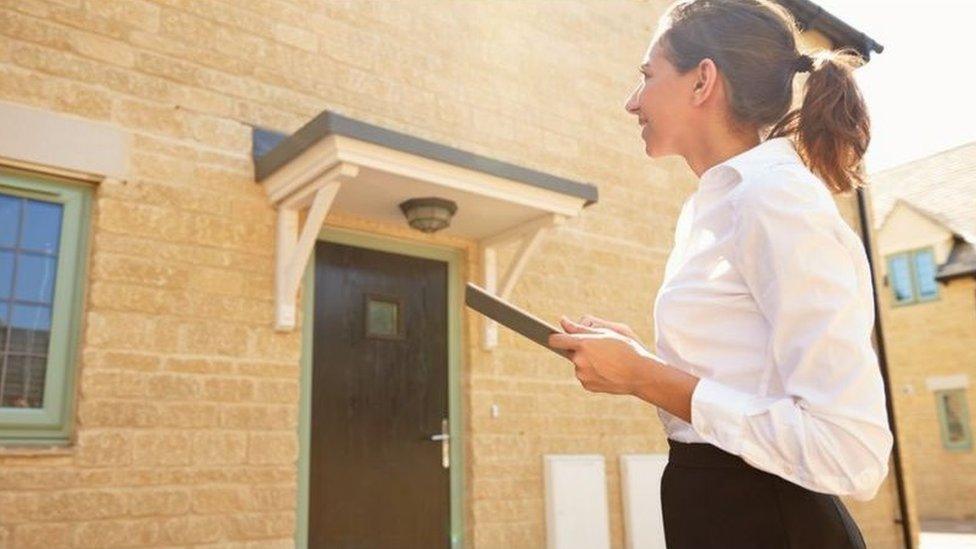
(928, 288)
(900, 277)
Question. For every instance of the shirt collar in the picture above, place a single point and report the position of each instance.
(777, 150)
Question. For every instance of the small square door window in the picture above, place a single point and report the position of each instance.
(384, 317)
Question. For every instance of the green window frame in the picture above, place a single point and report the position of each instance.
(51, 421)
(911, 276)
(954, 424)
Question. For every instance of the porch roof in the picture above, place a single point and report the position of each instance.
(273, 150)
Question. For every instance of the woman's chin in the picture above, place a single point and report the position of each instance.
(651, 150)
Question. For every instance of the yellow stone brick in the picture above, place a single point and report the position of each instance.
(274, 391)
(165, 386)
(42, 536)
(260, 525)
(199, 365)
(104, 448)
(79, 505)
(219, 447)
(137, 13)
(25, 28)
(192, 529)
(226, 389)
(213, 338)
(294, 36)
(211, 500)
(100, 48)
(272, 448)
(117, 533)
(162, 448)
(268, 369)
(258, 417)
(166, 119)
(277, 498)
(158, 502)
(188, 415)
(113, 360)
(112, 383)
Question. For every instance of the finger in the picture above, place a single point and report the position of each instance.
(564, 341)
(574, 328)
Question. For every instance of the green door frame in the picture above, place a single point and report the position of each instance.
(370, 241)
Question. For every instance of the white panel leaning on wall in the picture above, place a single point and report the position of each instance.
(640, 484)
(576, 502)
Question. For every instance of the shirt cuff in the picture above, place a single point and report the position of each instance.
(718, 414)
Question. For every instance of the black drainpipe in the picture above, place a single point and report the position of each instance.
(883, 362)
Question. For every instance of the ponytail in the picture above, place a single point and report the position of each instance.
(831, 129)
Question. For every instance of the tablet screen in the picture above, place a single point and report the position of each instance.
(512, 317)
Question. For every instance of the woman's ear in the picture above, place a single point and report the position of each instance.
(706, 77)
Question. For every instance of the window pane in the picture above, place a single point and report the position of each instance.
(30, 329)
(6, 274)
(23, 382)
(954, 404)
(35, 277)
(9, 220)
(382, 318)
(925, 273)
(900, 276)
(42, 226)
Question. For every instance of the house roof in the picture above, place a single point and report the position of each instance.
(941, 186)
(961, 261)
(809, 15)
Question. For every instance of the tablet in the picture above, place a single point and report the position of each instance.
(512, 317)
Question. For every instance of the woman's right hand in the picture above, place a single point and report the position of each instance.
(591, 321)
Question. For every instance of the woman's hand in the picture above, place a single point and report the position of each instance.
(607, 361)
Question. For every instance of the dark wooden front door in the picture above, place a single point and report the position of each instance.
(379, 392)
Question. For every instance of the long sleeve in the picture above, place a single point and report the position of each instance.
(811, 283)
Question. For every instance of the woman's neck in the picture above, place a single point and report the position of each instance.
(716, 149)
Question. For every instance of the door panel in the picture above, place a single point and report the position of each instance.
(379, 391)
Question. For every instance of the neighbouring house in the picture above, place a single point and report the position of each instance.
(221, 330)
(925, 218)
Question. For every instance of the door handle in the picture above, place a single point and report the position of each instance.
(444, 437)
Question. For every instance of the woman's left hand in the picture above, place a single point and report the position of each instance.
(606, 361)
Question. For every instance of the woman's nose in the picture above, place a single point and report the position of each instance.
(632, 105)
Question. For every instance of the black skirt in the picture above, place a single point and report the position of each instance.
(711, 498)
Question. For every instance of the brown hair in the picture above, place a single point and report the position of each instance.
(753, 44)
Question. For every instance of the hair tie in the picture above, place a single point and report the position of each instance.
(803, 63)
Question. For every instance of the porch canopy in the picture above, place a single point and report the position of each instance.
(335, 163)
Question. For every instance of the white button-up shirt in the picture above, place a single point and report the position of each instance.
(767, 297)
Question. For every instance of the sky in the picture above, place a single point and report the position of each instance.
(921, 91)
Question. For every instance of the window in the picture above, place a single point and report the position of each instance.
(954, 419)
(43, 229)
(911, 275)
(384, 317)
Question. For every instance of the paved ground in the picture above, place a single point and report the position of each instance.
(945, 534)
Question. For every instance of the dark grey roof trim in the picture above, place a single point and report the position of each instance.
(329, 123)
(961, 261)
(811, 16)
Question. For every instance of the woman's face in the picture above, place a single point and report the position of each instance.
(662, 103)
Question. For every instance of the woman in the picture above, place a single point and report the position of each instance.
(764, 375)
